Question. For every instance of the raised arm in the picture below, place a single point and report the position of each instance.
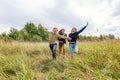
(82, 29)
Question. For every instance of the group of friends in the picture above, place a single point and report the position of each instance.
(61, 36)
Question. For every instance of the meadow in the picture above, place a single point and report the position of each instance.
(32, 61)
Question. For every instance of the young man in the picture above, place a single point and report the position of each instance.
(53, 37)
(72, 43)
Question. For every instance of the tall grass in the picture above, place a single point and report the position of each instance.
(32, 61)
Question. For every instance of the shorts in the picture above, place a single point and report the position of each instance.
(61, 44)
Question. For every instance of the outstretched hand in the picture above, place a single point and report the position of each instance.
(87, 24)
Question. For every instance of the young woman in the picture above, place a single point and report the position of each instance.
(62, 42)
(72, 42)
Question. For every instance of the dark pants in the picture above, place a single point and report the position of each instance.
(53, 50)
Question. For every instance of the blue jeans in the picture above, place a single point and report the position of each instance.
(53, 50)
(73, 48)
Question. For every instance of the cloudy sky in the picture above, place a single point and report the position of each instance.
(103, 15)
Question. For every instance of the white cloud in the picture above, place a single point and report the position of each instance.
(4, 28)
(33, 7)
(2, 12)
(102, 15)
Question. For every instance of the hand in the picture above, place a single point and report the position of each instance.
(87, 24)
(69, 38)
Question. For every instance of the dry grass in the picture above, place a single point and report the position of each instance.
(32, 61)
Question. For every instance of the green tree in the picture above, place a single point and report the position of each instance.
(43, 32)
(36, 38)
(15, 34)
(31, 28)
(30, 33)
(25, 34)
(4, 34)
(111, 36)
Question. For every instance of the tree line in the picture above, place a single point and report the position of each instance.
(30, 32)
(97, 38)
(34, 33)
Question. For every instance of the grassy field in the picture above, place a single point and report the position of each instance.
(32, 61)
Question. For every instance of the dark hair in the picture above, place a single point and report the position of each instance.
(60, 32)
